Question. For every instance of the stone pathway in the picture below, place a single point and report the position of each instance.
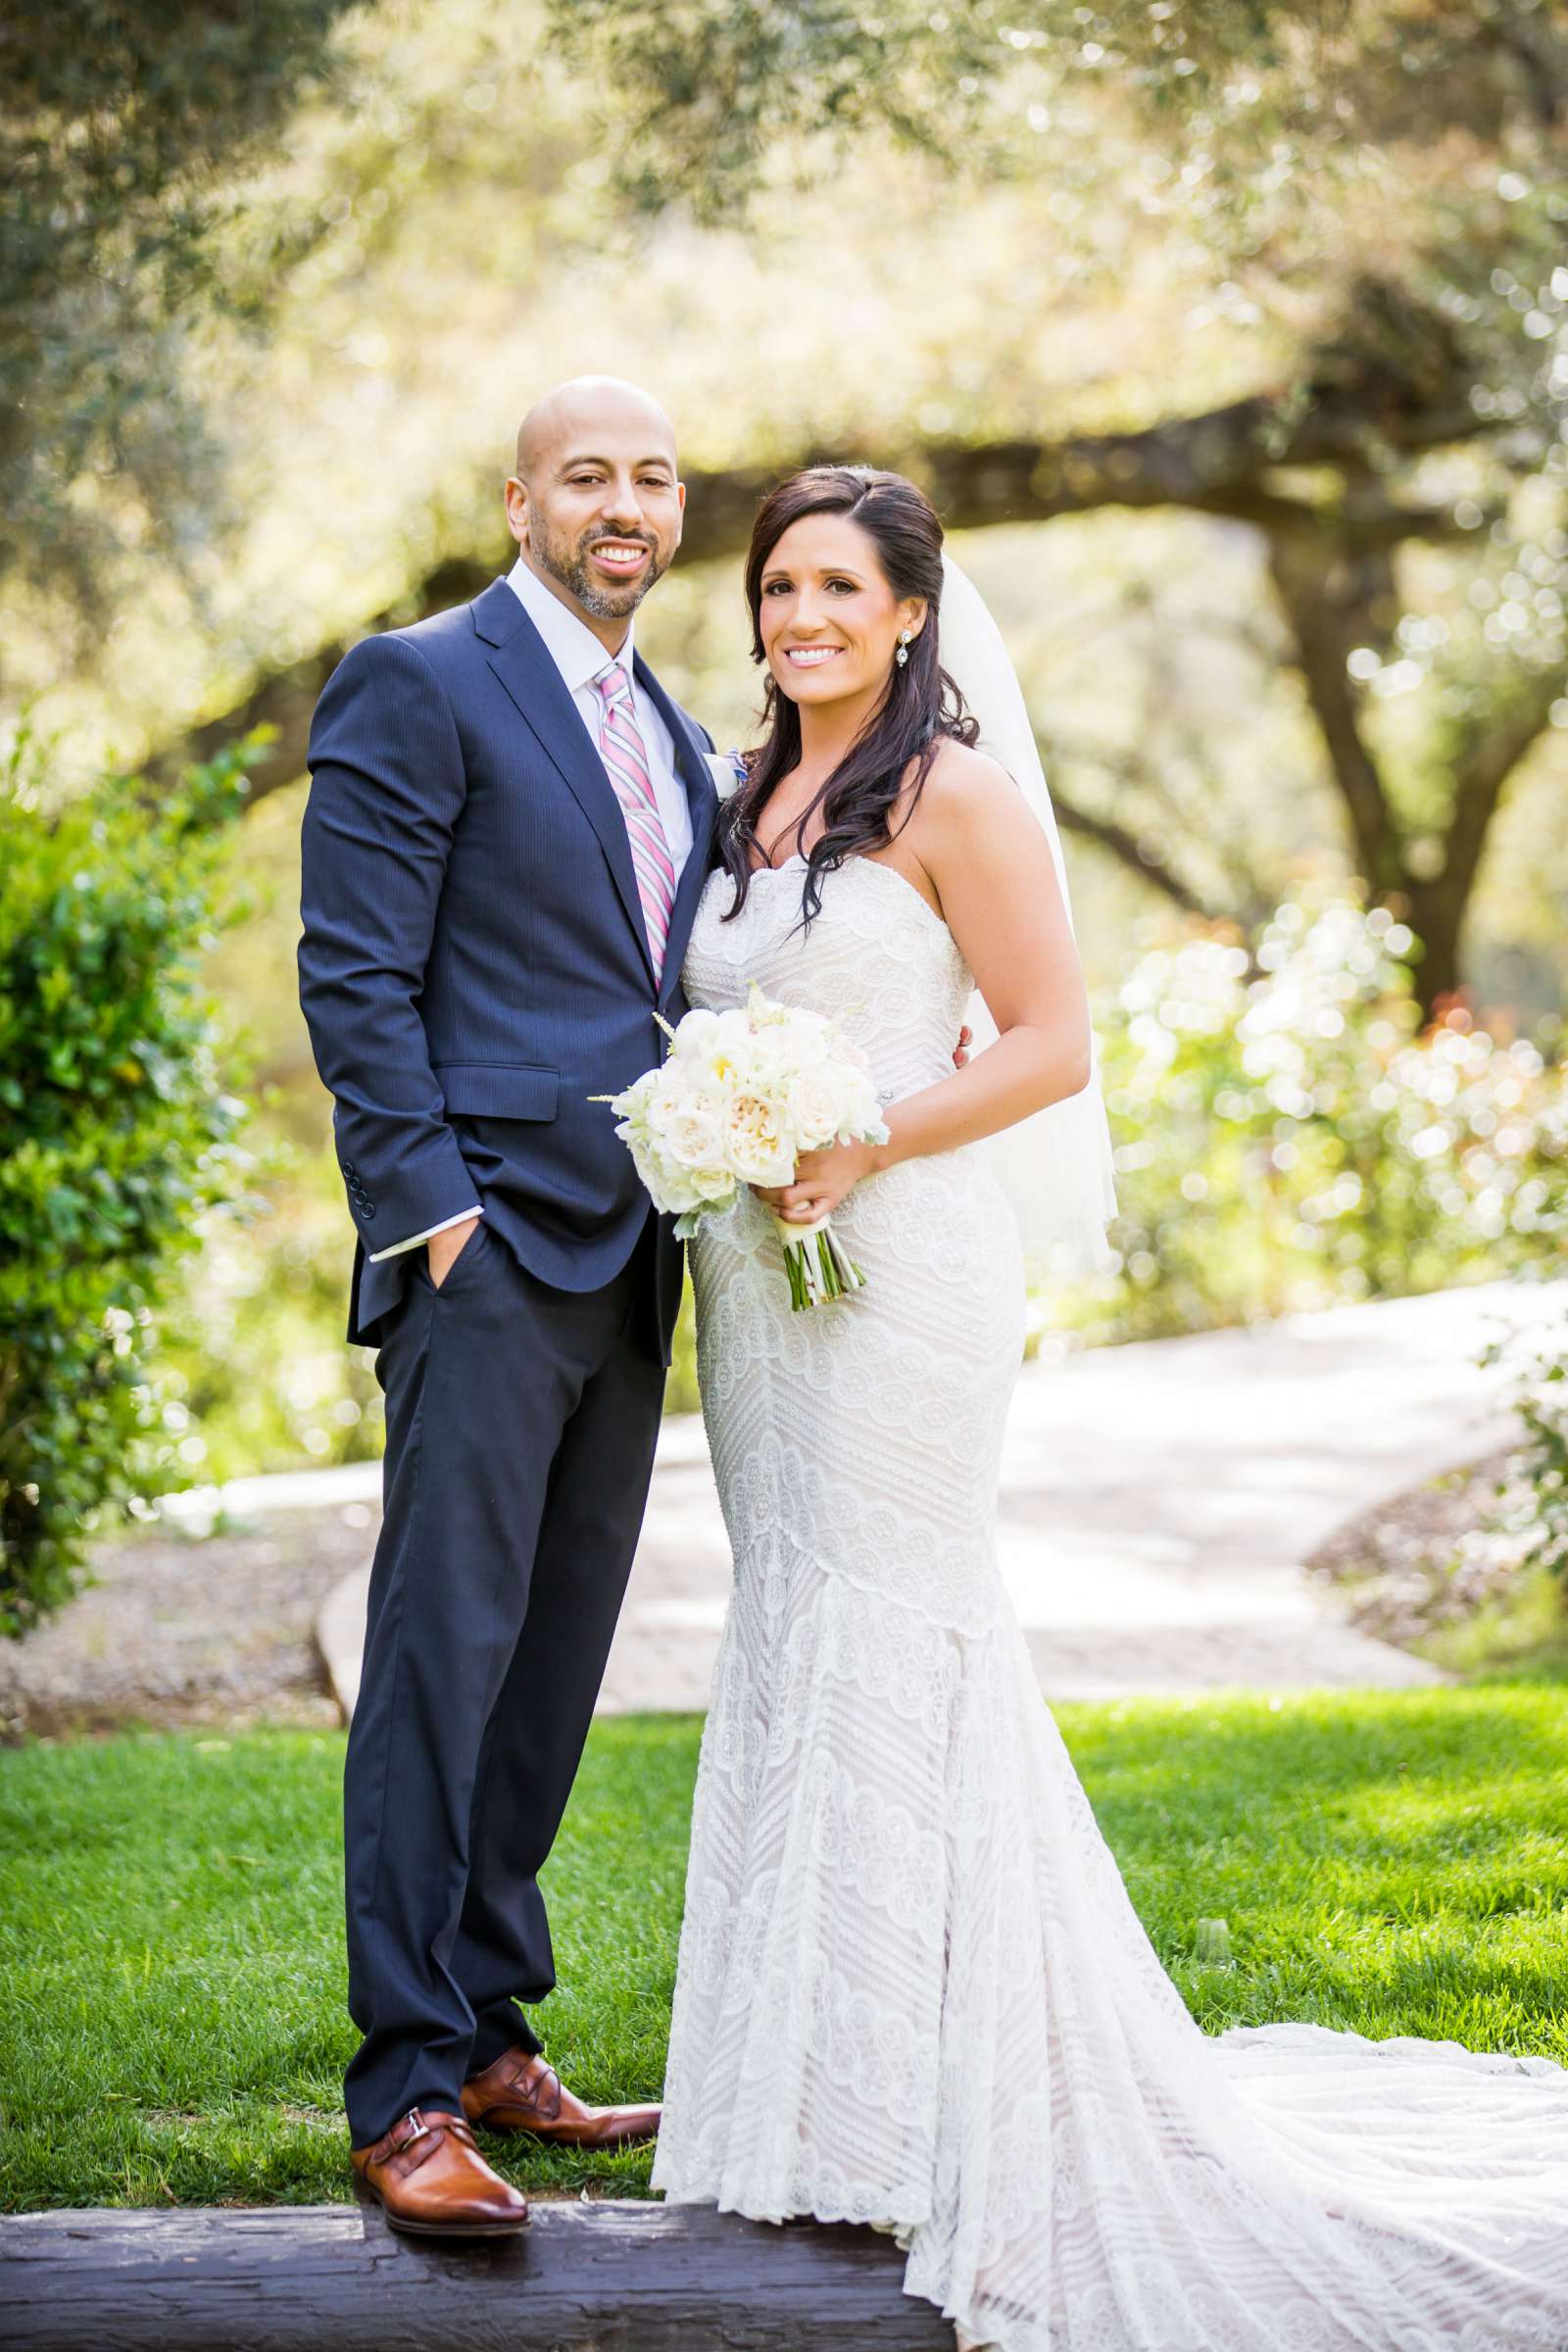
(181, 1628)
(1158, 1504)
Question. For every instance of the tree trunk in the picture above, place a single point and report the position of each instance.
(1484, 754)
(1337, 598)
(1434, 912)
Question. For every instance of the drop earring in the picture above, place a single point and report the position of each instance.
(903, 654)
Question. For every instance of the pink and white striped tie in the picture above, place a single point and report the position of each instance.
(625, 759)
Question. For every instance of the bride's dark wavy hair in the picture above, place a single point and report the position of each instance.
(920, 708)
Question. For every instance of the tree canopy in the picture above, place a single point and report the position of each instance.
(122, 126)
(1294, 269)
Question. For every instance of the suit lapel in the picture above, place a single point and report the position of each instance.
(702, 802)
(522, 663)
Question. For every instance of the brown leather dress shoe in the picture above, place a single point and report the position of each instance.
(432, 2180)
(519, 2093)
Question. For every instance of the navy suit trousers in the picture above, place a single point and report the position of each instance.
(522, 1422)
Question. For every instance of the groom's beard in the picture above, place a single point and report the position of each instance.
(569, 565)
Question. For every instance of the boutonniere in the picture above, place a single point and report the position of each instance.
(728, 771)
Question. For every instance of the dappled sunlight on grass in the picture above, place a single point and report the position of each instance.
(1395, 1864)
(171, 1974)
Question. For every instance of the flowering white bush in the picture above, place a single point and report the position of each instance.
(1532, 1519)
(740, 1096)
(1287, 1134)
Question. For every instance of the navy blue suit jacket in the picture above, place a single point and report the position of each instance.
(474, 964)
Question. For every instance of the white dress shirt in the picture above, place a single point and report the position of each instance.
(580, 656)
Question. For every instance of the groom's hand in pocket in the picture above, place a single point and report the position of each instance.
(445, 1248)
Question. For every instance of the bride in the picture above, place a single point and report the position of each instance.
(912, 1991)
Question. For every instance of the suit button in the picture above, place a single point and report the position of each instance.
(368, 1206)
(351, 1171)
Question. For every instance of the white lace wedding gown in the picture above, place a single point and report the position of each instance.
(912, 1990)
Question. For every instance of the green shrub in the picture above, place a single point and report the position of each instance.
(115, 1135)
(255, 1351)
(1286, 1138)
(1542, 1461)
(1529, 1528)
(254, 1362)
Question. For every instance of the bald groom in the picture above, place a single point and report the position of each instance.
(506, 836)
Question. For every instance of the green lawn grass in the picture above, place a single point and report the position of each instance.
(171, 1983)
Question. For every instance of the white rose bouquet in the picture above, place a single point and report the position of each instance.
(739, 1095)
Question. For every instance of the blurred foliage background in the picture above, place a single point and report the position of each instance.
(1232, 340)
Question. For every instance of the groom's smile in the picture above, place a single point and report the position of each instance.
(596, 502)
(620, 559)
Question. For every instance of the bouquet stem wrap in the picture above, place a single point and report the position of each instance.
(816, 1262)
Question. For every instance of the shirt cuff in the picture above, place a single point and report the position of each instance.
(396, 1248)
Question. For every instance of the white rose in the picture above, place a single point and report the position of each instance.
(698, 1188)
(650, 1171)
(675, 1189)
(862, 1114)
(695, 1136)
(721, 1049)
(664, 1104)
(696, 1033)
(817, 1108)
(759, 1147)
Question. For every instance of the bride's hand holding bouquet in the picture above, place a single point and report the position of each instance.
(766, 1094)
(820, 1181)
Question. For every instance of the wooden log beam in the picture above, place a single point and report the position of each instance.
(586, 2278)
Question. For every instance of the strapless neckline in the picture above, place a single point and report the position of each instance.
(873, 865)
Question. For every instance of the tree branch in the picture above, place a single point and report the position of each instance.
(1218, 463)
(1496, 745)
(1130, 852)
